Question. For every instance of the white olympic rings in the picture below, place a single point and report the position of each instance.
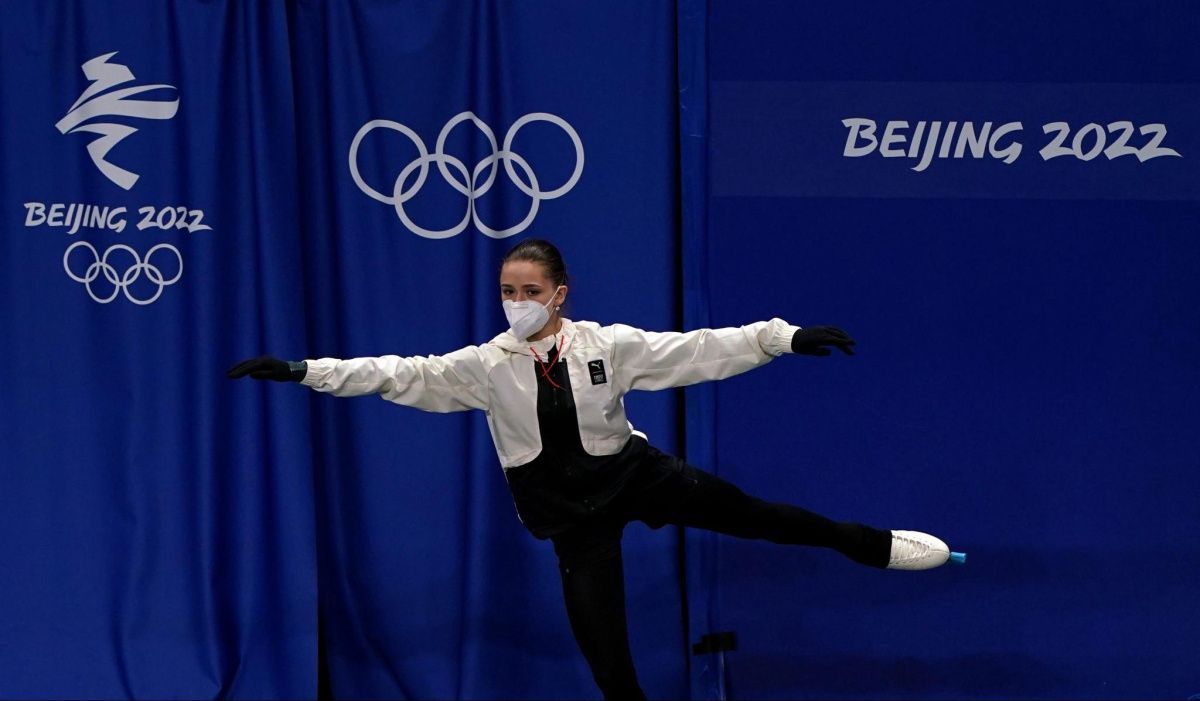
(122, 282)
(468, 184)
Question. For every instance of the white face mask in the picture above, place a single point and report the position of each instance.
(528, 317)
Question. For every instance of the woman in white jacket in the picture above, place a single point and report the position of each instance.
(553, 392)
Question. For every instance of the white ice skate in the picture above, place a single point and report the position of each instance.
(913, 550)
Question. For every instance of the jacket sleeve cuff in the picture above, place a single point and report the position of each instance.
(318, 371)
(776, 337)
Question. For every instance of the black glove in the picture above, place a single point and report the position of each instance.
(812, 340)
(264, 367)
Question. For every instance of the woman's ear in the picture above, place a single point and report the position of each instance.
(562, 296)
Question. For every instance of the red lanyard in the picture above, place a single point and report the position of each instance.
(548, 366)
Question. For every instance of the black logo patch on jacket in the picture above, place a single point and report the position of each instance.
(596, 370)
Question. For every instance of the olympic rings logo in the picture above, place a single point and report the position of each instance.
(467, 182)
(122, 282)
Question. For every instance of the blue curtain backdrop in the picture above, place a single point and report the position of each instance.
(186, 184)
(171, 533)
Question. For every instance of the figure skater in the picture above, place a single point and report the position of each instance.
(553, 392)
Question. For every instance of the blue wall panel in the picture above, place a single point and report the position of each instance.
(1025, 383)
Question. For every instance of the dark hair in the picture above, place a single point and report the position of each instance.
(542, 252)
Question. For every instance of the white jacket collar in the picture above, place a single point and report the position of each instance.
(512, 344)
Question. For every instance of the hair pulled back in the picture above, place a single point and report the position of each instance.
(542, 252)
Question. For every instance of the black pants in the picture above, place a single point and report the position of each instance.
(666, 490)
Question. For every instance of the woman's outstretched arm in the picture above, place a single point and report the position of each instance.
(651, 360)
(453, 382)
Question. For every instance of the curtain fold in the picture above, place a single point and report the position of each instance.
(429, 585)
(157, 519)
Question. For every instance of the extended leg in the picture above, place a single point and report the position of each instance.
(683, 495)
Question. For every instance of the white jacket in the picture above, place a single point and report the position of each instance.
(500, 378)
